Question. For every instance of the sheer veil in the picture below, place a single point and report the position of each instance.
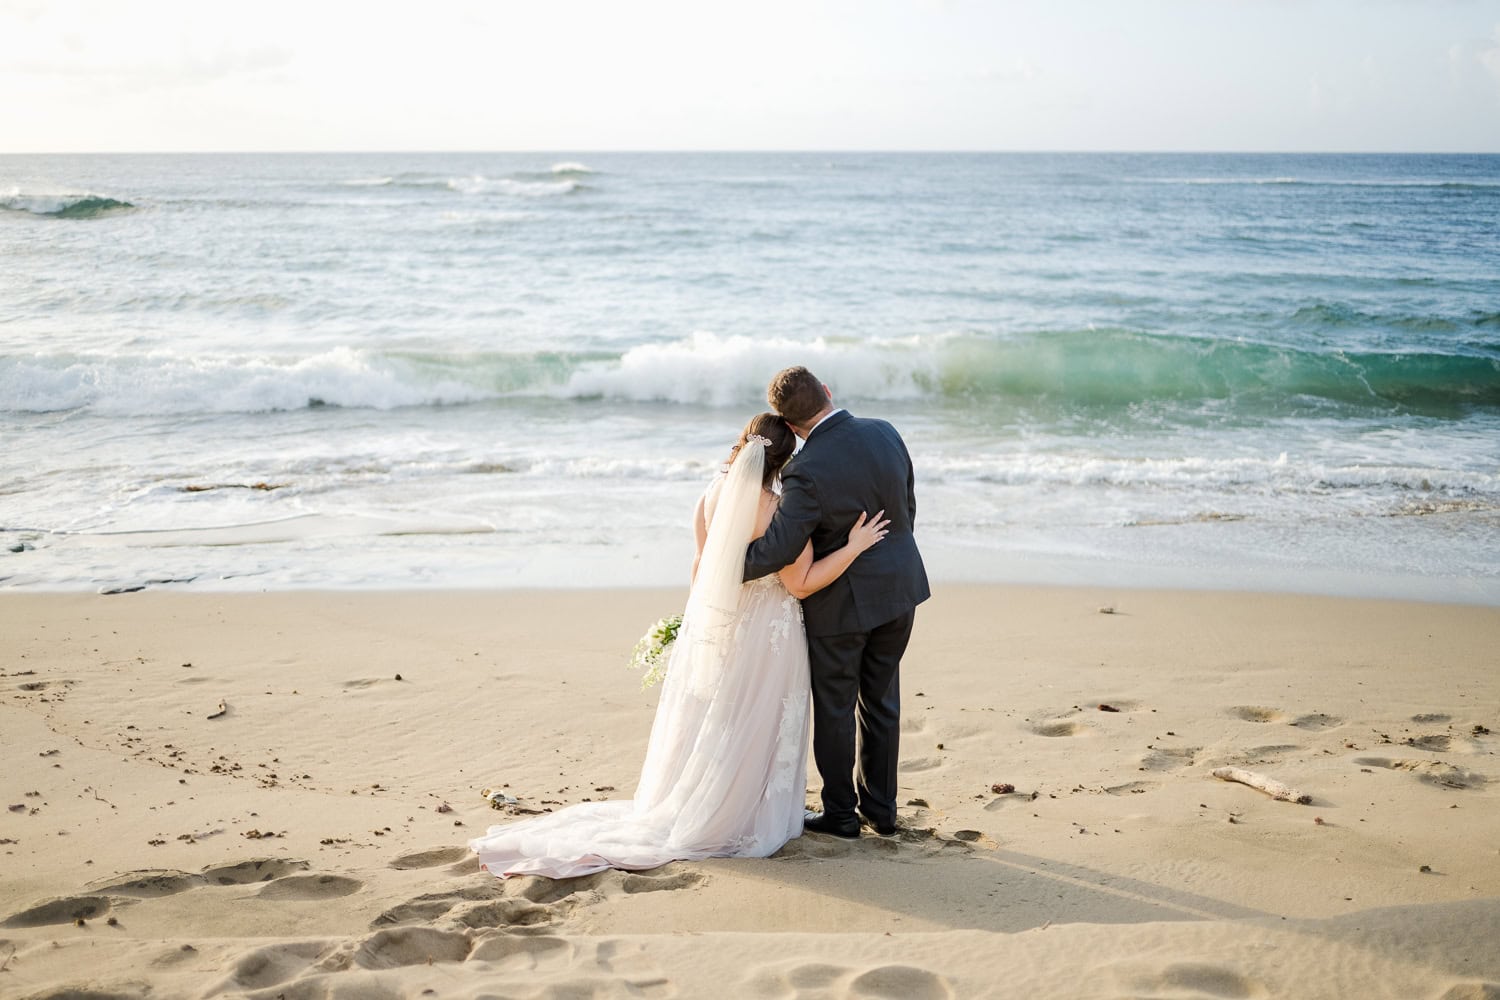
(713, 604)
(695, 727)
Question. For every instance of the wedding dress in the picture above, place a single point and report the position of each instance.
(725, 773)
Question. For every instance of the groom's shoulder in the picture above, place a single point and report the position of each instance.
(874, 425)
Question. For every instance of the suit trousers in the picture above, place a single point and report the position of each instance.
(857, 693)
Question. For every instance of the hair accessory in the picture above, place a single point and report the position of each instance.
(764, 442)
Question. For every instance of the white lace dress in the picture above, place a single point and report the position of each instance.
(725, 773)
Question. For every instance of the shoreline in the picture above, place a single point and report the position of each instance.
(658, 564)
(309, 840)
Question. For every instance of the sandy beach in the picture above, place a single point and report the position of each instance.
(268, 796)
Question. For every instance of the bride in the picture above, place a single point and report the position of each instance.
(726, 767)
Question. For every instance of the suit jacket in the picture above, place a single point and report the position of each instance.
(848, 465)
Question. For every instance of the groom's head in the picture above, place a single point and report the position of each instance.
(799, 397)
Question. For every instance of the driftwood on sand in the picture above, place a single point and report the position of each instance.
(1270, 786)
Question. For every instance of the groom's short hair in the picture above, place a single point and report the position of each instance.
(797, 395)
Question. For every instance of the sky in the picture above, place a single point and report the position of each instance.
(1261, 75)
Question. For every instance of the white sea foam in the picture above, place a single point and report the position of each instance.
(1190, 474)
(569, 167)
(168, 383)
(478, 184)
(711, 370)
(369, 181)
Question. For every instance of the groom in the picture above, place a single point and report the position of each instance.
(857, 626)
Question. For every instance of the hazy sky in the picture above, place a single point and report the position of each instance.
(82, 75)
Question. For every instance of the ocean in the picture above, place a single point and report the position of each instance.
(245, 372)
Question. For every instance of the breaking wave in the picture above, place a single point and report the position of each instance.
(1081, 370)
(63, 205)
(560, 180)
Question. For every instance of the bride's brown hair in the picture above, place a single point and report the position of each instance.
(783, 442)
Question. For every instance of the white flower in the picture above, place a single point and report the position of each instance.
(654, 649)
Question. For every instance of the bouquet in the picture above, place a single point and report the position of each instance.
(654, 649)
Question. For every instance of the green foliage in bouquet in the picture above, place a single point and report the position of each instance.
(654, 649)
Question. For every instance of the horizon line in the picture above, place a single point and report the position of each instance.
(787, 151)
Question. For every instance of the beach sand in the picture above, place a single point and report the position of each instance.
(308, 841)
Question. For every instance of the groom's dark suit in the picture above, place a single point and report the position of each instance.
(857, 626)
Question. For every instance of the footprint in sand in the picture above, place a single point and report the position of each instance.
(1433, 772)
(953, 733)
(486, 902)
(1436, 743)
(1060, 727)
(154, 883)
(632, 963)
(430, 906)
(469, 865)
(60, 911)
(1431, 717)
(271, 965)
(1169, 758)
(509, 953)
(546, 891)
(1199, 979)
(399, 946)
(311, 887)
(430, 858)
(1131, 788)
(503, 913)
(255, 870)
(901, 982)
(915, 764)
(1270, 754)
(149, 884)
(635, 882)
(1256, 713)
(885, 982)
(1317, 721)
(794, 980)
(813, 846)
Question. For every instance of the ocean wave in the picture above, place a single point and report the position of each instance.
(61, 205)
(1275, 475)
(558, 171)
(1082, 371)
(478, 184)
(1090, 368)
(172, 384)
(1339, 316)
(539, 184)
(1372, 182)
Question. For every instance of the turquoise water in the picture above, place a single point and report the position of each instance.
(477, 369)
